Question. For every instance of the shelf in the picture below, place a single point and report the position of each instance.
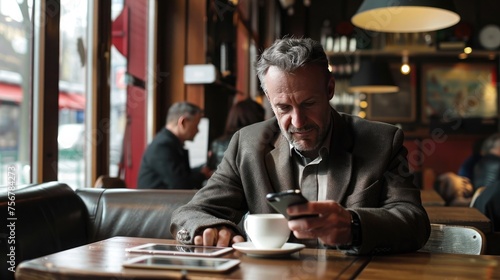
(414, 52)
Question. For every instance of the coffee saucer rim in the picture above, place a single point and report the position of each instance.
(247, 247)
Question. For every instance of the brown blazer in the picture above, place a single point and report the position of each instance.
(368, 174)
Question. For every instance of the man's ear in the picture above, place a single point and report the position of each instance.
(181, 122)
(331, 87)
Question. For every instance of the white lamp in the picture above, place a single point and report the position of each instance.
(405, 15)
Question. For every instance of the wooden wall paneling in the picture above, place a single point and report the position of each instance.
(243, 61)
(46, 94)
(171, 54)
(196, 46)
(243, 34)
(100, 98)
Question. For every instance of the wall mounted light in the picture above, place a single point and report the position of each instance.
(405, 15)
(405, 67)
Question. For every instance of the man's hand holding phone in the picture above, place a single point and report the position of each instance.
(282, 200)
(326, 220)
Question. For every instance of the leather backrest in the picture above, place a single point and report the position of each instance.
(107, 182)
(131, 212)
(46, 218)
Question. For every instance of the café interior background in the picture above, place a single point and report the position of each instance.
(108, 113)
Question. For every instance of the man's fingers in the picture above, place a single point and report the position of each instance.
(210, 237)
(198, 240)
(214, 237)
(238, 238)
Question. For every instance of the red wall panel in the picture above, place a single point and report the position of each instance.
(136, 97)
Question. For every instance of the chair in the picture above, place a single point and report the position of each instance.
(107, 182)
(455, 239)
(476, 194)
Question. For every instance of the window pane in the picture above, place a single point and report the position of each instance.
(15, 90)
(118, 116)
(71, 136)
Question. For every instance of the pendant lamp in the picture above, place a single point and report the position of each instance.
(405, 15)
(373, 77)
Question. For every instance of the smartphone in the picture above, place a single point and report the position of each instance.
(281, 200)
(179, 249)
(182, 263)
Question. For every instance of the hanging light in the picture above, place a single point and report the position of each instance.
(405, 15)
(373, 77)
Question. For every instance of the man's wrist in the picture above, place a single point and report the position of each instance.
(355, 234)
(355, 230)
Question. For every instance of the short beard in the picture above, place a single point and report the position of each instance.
(295, 144)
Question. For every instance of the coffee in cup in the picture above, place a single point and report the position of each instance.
(267, 231)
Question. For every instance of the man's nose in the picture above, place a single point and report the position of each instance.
(298, 118)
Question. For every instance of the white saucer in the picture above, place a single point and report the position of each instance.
(249, 249)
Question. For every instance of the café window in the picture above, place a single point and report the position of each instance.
(71, 138)
(16, 38)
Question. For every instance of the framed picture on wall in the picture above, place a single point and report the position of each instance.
(459, 91)
(395, 107)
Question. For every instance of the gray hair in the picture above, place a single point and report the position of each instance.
(288, 54)
(180, 109)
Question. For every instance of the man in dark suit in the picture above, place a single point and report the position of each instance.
(165, 163)
(354, 172)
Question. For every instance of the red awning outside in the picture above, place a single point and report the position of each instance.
(10, 93)
(70, 101)
(13, 93)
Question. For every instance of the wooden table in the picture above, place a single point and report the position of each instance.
(464, 216)
(103, 260)
(432, 266)
(431, 198)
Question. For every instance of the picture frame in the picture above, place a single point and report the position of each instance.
(458, 91)
(399, 107)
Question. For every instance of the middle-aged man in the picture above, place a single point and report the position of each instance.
(355, 171)
(165, 163)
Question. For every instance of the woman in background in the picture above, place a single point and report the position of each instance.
(243, 113)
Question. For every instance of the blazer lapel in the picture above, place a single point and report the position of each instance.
(340, 161)
(279, 167)
(339, 174)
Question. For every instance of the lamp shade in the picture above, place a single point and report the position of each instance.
(405, 15)
(373, 77)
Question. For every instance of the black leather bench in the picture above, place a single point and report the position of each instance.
(52, 217)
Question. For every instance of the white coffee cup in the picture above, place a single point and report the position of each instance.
(267, 231)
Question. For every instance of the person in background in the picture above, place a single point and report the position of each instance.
(165, 163)
(354, 172)
(243, 113)
(478, 169)
(487, 175)
(487, 169)
(467, 167)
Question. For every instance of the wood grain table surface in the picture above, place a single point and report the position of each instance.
(432, 266)
(103, 260)
(431, 197)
